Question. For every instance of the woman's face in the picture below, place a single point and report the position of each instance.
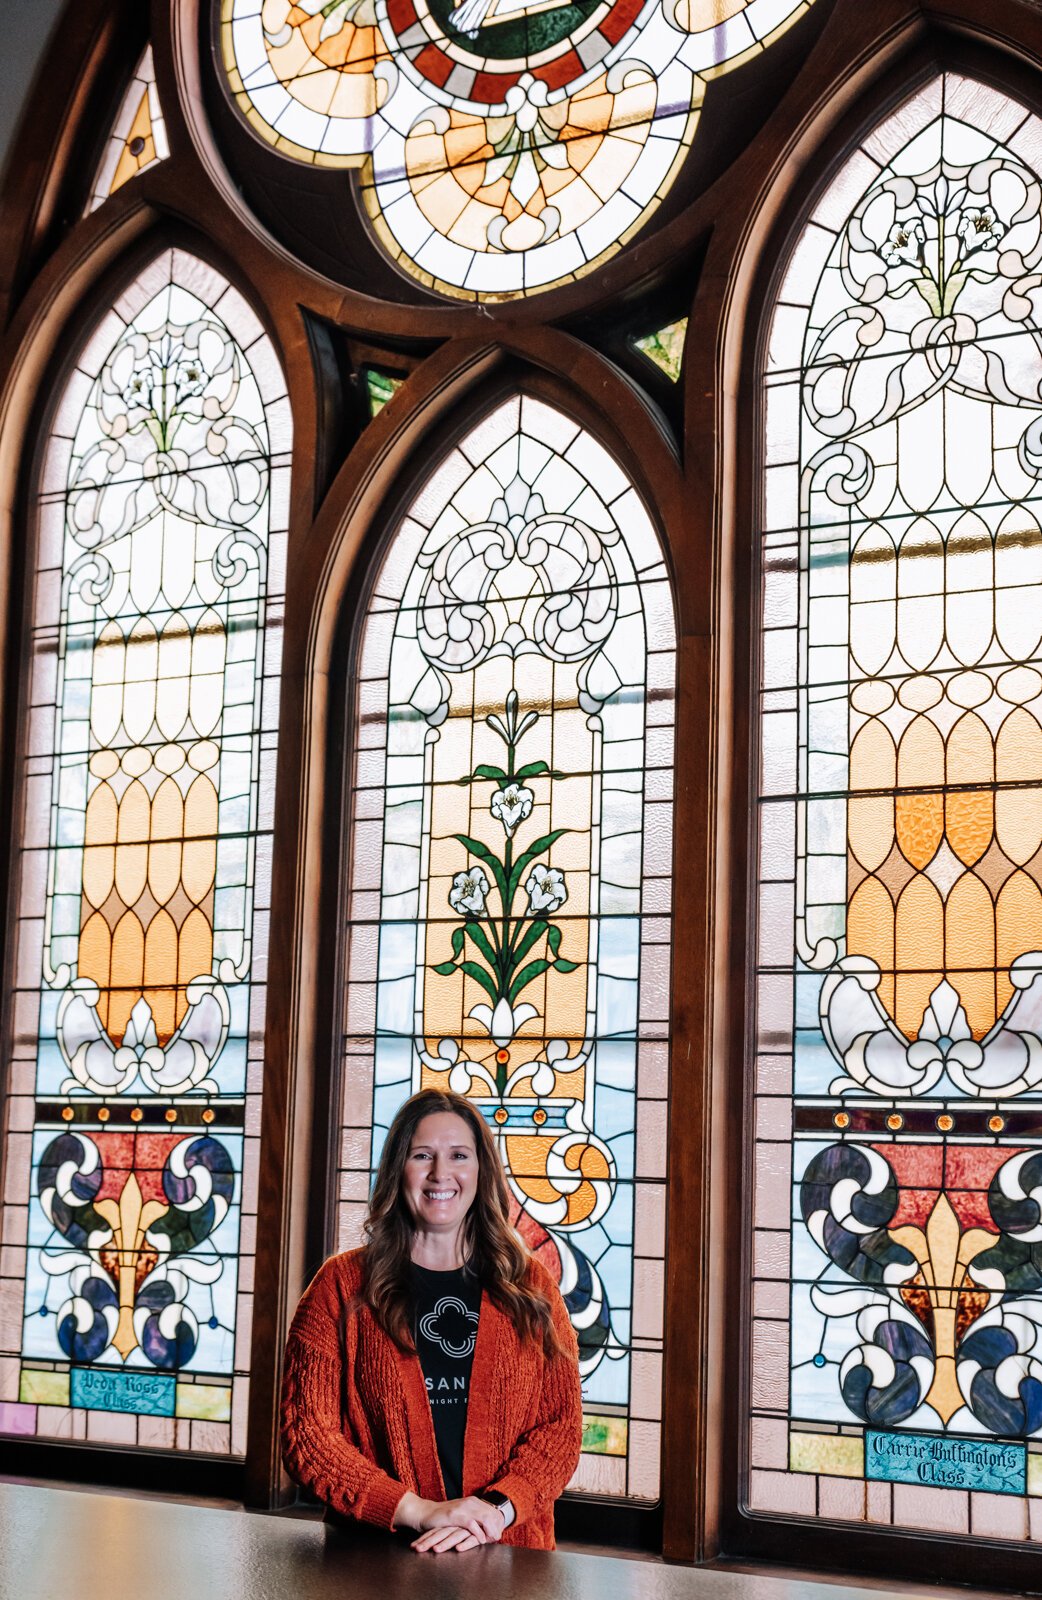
(441, 1172)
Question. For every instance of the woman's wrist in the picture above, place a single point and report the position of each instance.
(411, 1511)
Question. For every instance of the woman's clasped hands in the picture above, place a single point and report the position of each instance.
(450, 1524)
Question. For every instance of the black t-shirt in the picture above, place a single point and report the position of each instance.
(445, 1326)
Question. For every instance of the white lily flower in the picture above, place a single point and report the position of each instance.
(513, 728)
(467, 895)
(903, 243)
(512, 805)
(504, 1021)
(545, 889)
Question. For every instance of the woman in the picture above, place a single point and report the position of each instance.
(432, 1377)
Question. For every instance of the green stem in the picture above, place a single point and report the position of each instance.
(500, 970)
(507, 946)
(508, 942)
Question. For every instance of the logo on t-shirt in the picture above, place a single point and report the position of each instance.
(451, 1326)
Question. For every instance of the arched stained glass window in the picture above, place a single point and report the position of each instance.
(897, 1340)
(510, 875)
(137, 139)
(504, 145)
(141, 941)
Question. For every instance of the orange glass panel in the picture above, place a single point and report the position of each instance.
(1018, 759)
(920, 817)
(201, 809)
(164, 851)
(919, 952)
(161, 973)
(99, 856)
(195, 948)
(198, 868)
(1018, 928)
(970, 817)
(132, 855)
(128, 972)
(870, 932)
(870, 819)
(95, 958)
(140, 149)
(969, 929)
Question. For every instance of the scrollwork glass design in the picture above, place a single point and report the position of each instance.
(897, 1367)
(510, 875)
(503, 147)
(144, 871)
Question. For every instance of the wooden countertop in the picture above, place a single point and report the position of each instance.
(65, 1544)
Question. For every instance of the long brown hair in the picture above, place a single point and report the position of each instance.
(491, 1248)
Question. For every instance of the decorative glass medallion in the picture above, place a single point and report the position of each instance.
(138, 136)
(897, 1334)
(511, 876)
(131, 1149)
(504, 146)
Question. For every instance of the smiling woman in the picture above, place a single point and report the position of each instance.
(432, 1377)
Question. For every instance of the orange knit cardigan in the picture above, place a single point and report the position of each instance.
(357, 1429)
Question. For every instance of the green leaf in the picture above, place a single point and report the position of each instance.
(537, 848)
(534, 769)
(484, 771)
(534, 932)
(446, 968)
(481, 939)
(483, 853)
(525, 976)
(554, 942)
(479, 975)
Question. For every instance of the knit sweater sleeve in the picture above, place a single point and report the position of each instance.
(545, 1457)
(314, 1448)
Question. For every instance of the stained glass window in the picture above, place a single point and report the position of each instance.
(510, 881)
(138, 136)
(665, 347)
(503, 145)
(897, 1334)
(141, 939)
(379, 387)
